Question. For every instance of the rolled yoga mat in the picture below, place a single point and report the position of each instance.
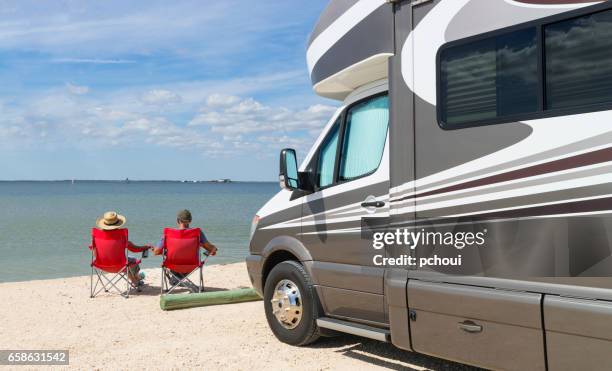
(181, 301)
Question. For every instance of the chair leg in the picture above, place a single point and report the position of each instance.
(107, 284)
(112, 283)
(100, 277)
(129, 286)
(162, 281)
(91, 292)
(183, 282)
(105, 287)
(169, 285)
(201, 281)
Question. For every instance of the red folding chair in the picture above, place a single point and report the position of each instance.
(109, 261)
(181, 257)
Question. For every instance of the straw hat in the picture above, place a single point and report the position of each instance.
(110, 220)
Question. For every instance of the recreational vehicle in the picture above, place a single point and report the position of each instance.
(487, 119)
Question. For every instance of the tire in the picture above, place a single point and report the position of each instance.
(306, 331)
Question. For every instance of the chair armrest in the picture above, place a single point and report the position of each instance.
(136, 249)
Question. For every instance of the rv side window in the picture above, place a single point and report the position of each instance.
(327, 157)
(579, 61)
(364, 137)
(489, 78)
(559, 65)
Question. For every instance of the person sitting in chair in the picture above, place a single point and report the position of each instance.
(183, 220)
(110, 221)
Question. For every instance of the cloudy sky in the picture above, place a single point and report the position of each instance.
(155, 89)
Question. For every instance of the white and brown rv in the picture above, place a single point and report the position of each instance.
(488, 118)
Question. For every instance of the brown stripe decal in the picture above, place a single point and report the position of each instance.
(585, 159)
(585, 206)
(555, 2)
(572, 207)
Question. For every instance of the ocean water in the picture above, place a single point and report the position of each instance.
(45, 227)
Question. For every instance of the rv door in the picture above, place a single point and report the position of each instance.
(352, 188)
(482, 326)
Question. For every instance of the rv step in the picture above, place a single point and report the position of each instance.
(354, 328)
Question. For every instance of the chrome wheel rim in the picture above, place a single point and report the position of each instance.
(287, 304)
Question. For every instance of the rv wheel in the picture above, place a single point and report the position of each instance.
(291, 305)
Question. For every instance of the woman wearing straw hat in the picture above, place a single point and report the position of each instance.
(112, 220)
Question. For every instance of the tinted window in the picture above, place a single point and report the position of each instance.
(489, 78)
(364, 137)
(327, 157)
(579, 61)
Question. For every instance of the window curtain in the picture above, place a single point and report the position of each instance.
(364, 139)
(327, 158)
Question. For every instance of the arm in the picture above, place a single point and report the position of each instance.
(136, 248)
(159, 249)
(212, 249)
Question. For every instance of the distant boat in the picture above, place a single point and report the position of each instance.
(222, 181)
(72, 181)
(127, 180)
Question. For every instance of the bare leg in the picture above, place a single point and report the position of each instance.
(133, 274)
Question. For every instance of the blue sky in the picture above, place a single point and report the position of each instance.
(155, 89)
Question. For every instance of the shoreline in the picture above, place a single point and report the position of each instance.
(149, 272)
(209, 181)
(146, 269)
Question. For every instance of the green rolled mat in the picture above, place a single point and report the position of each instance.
(181, 301)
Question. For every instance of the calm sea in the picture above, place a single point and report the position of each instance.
(45, 227)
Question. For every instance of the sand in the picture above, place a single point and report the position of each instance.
(111, 332)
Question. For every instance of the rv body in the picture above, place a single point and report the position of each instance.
(457, 116)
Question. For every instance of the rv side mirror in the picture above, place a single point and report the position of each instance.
(288, 175)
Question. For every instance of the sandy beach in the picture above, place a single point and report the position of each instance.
(110, 332)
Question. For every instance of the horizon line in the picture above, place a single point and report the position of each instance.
(220, 180)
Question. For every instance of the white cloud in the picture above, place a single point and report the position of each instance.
(155, 131)
(77, 89)
(160, 97)
(248, 116)
(246, 107)
(212, 117)
(224, 125)
(221, 100)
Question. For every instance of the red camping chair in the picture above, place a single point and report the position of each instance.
(109, 258)
(181, 257)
